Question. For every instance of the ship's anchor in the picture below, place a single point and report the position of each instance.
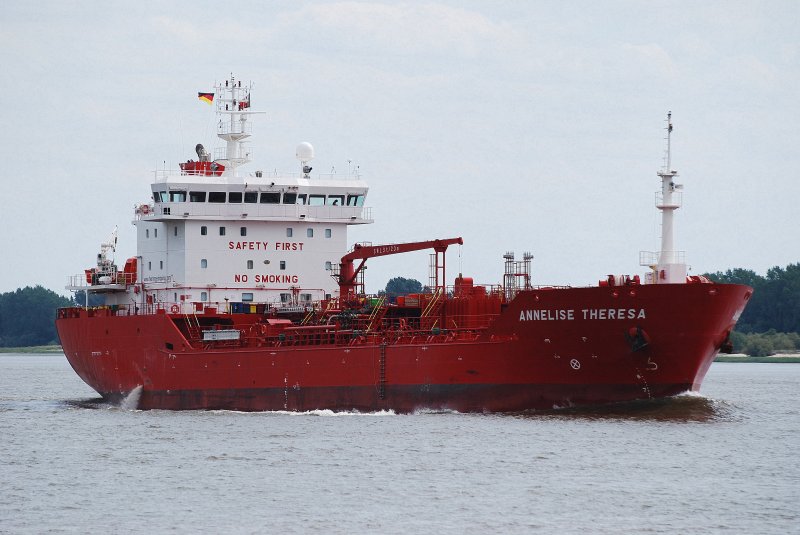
(637, 338)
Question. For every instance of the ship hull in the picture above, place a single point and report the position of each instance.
(547, 348)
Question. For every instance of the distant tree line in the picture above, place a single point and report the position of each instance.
(771, 321)
(402, 286)
(776, 298)
(765, 344)
(27, 316)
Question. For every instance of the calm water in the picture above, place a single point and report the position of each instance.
(724, 462)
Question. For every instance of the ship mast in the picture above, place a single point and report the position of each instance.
(233, 109)
(671, 267)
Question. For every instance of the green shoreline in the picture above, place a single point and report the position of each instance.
(32, 349)
(745, 358)
(720, 358)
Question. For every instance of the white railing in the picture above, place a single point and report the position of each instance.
(653, 258)
(225, 127)
(245, 211)
(164, 175)
(677, 200)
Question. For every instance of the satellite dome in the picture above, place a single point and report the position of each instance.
(305, 152)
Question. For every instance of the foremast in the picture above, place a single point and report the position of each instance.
(668, 265)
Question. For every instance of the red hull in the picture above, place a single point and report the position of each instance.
(547, 348)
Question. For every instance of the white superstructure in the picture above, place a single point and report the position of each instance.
(214, 235)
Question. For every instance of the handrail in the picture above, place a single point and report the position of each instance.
(378, 307)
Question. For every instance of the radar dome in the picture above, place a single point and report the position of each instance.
(305, 152)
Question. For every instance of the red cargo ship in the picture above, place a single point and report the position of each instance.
(243, 296)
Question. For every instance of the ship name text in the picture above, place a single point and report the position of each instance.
(585, 313)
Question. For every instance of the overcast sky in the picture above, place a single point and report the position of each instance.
(521, 126)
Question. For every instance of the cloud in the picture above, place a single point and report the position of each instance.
(180, 29)
(403, 28)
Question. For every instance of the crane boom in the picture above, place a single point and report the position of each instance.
(348, 272)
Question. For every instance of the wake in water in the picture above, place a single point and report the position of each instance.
(128, 403)
(316, 412)
(686, 407)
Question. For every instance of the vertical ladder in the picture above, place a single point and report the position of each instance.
(382, 376)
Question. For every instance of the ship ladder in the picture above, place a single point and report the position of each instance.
(192, 326)
(434, 306)
(382, 375)
(311, 312)
(308, 317)
(377, 313)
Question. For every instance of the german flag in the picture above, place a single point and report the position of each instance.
(206, 97)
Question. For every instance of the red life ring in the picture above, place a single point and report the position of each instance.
(174, 309)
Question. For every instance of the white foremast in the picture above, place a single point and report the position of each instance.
(668, 265)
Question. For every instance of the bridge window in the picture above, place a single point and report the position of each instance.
(316, 200)
(301, 198)
(216, 196)
(197, 196)
(328, 233)
(290, 198)
(355, 200)
(235, 197)
(289, 232)
(271, 197)
(251, 196)
(177, 196)
(335, 200)
(203, 230)
(157, 196)
(203, 263)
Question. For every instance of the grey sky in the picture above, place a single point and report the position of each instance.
(516, 125)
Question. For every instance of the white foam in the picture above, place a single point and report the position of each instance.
(691, 394)
(329, 413)
(316, 412)
(131, 401)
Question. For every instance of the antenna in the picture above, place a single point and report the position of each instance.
(669, 141)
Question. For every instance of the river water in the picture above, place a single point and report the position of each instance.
(725, 461)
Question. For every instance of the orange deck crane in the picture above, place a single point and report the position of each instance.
(348, 273)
